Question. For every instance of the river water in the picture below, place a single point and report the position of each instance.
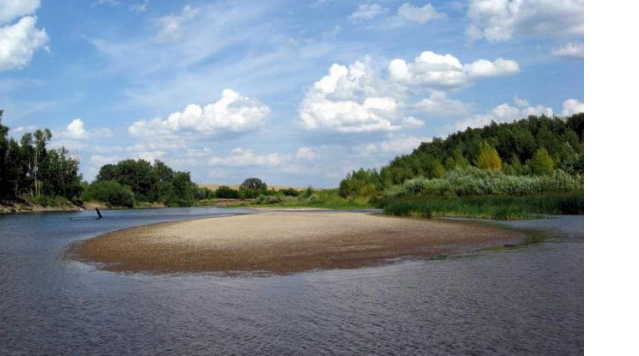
(523, 301)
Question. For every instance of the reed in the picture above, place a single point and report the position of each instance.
(489, 206)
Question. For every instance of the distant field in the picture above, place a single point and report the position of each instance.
(214, 186)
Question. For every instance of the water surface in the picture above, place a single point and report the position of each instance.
(524, 301)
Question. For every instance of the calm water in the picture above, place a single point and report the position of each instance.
(520, 301)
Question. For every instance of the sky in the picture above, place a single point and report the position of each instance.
(294, 92)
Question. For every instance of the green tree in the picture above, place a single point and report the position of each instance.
(253, 184)
(110, 192)
(488, 158)
(541, 163)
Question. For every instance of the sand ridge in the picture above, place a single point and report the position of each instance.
(283, 242)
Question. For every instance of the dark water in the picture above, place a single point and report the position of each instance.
(526, 301)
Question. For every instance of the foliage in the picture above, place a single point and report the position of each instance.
(152, 182)
(109, 192)
(541, 162)
(360, 183)
(225, 192)
(474, 181)
(488, 158)
(497, 146)
(28, 169)
(253, 184)
(494, 207)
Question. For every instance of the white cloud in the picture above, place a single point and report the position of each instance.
(501, 20)
(569, 51)
(367, 12)
(439, 105)
(419, 14)
(571, 107)
(506, 113)
(434, 70)
(306, 153)
(75, 130)
(232, 113)
(351, 99)
(10, 9)
(245, 157)
(358, 99)
(18, 43)
(171, 25)
(496, 68)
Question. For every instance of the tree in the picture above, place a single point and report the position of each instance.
(110, 192)
(225, 192)
(541, 163)
(253, 184)
(488, 158)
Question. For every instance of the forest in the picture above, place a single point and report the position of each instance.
(533, 147)
(30, 169)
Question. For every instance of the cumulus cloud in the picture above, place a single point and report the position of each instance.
(569, 51)
(11, 9)
(19, 41)
(358, 98)
(351, 99)
(501, 20)
(232, 113)
(446, 71)
(367, 12)
(171, 26)
(506, 113)
(419, 14)
(571, 107)
(75, 130)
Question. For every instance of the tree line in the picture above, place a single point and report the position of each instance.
(532, 146)
(28, 167)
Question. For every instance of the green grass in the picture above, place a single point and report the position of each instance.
(324, 199)
(491, 207)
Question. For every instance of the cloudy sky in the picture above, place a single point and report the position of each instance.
(295, 92)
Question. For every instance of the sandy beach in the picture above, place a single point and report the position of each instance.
(283, 242)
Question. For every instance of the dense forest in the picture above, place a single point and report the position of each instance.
(532, 147)
(30, 169)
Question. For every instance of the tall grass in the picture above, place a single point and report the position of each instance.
(493, 207)
(473, 182)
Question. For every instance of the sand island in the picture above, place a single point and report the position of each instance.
(283, 243)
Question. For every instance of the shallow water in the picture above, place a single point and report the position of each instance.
(520, 301)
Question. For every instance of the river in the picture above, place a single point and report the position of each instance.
(522, 301)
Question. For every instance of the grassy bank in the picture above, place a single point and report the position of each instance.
(320, 199)
(492, 207)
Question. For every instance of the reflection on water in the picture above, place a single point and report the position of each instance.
(519, 301)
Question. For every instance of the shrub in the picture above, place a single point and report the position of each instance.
(474, 181)
(111, 193)
(225, 192)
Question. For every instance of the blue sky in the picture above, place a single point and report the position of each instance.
(295, 92)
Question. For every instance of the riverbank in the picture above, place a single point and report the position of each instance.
(283, 243)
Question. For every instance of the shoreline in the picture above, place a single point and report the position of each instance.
(283, 243)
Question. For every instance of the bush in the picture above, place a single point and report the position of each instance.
(111, 193)
(225, 192)
(474, 181)
(495, 207)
